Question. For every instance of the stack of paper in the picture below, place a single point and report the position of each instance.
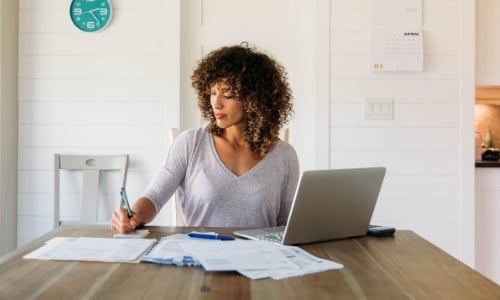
(253, 259)
(168, 251)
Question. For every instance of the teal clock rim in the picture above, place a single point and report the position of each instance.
(90, 30)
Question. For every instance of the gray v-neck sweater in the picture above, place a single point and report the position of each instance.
(211, 195)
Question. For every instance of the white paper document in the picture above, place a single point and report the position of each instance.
(92, 249)
(306, 263)
(238, 255)
(168, 251)
(257, 259)
(136, 234)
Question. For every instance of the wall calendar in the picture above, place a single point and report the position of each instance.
(396, 37)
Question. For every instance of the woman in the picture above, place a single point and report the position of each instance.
(235, 171)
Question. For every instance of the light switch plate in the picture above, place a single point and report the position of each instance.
(378, 109)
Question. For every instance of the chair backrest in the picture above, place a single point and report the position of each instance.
(91, 167)
(284, 132)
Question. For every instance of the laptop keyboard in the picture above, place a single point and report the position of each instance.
(270, 234)
(276, 237)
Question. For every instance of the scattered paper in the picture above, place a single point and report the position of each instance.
(168, 251)
(306, 263)
(253, 259)
(237, 255)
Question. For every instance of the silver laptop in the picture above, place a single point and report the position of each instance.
(328, 205)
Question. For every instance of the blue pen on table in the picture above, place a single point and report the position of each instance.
(210, 236)
(125, 203)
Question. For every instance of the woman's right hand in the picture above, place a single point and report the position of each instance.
(121, 223)
(143, 212)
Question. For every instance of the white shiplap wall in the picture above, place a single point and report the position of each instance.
(419, 145)
(127, 87)
(8, 125)
(488, 30)
(116, 91)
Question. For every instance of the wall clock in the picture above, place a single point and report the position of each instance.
(90, 15)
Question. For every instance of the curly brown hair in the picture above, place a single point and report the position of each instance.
(258, 81)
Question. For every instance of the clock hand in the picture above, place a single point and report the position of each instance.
(92, 13)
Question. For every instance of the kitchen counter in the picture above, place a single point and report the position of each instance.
(487, 164)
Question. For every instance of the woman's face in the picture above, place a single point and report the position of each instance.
(228, 110)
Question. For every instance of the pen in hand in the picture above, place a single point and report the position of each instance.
(125, 203)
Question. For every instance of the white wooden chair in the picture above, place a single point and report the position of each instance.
(284, 132)
(179, 218)
(91, 167)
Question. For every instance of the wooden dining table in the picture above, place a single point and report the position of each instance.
(403, 266)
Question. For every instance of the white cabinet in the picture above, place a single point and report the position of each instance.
(488, 42)
(488, 222)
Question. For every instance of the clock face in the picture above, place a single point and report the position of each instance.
(90, 15)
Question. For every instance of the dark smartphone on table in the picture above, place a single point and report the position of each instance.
(379, 230)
